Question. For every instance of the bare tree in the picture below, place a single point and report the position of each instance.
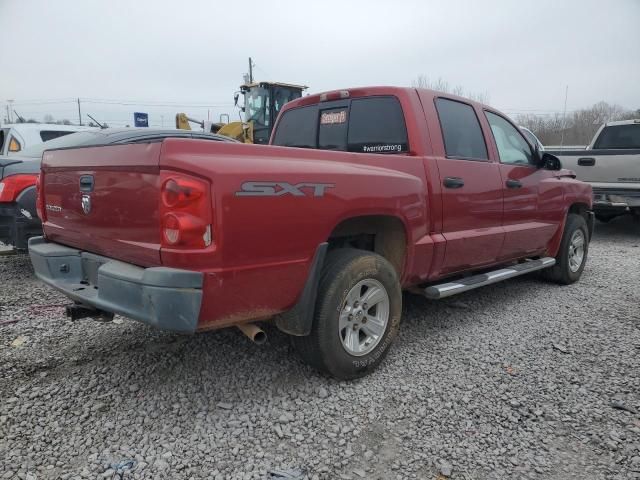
(441, 85)
(580, 125)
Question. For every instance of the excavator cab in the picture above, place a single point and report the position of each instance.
(262, 104)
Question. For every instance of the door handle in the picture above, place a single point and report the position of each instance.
(587, 161)
(511, 183)
(453, 182)
(86, 183)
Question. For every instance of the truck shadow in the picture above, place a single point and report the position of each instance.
(623, 227)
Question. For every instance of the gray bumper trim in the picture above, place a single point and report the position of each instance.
(166, 298)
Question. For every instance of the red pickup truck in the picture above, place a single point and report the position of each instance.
(361, 194)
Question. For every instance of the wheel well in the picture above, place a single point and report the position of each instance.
(583, 209)
(382, 234)
(580, 209)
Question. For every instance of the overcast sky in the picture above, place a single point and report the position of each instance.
(191, 55)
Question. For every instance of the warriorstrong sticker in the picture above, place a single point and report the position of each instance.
(330, 118)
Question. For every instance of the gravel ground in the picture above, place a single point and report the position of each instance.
(518, 380)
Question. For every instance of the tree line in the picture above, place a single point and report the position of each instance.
(49, 119)
(576, 128)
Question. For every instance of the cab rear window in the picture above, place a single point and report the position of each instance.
(365, 125)
(619, 137)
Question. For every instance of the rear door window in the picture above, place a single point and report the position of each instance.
(47, 135)
(461, 130)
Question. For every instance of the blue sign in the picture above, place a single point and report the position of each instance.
(140, 119)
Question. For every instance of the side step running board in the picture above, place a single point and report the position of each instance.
(469, 283)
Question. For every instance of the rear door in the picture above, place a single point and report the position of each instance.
(471, 189)
(532, 202)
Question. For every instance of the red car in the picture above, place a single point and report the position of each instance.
(361, 194)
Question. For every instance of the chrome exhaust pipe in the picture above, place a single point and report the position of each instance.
(254, 332)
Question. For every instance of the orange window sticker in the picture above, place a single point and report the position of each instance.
(330, 118)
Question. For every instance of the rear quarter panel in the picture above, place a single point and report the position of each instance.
(264, 245)
(575, 192)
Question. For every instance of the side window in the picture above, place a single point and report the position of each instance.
(297, 128)
(512, 147)
(461, 130)
(377, 126)
(332, 131)
(47, 135)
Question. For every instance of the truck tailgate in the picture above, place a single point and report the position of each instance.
(104, 200)
(603, 166)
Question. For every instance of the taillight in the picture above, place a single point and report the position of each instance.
(39, 198)
(11, 186)
(14, 145)
(185, 211)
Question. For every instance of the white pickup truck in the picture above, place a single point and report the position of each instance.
(611, 164)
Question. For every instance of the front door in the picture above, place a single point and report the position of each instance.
(527, 229)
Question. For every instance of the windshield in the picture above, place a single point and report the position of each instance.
(71, 140)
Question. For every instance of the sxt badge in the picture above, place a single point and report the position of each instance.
(279, 189)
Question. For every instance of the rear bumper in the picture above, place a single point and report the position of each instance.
(615, 199)
(166, 298)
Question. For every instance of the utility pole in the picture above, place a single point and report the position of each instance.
(250, 71)
(9, 116)
(564, 115)
(162, 120)
(79, 114)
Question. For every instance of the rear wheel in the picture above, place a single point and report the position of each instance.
(357, 315)
(572, 255)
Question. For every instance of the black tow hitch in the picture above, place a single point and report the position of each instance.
(76, 312)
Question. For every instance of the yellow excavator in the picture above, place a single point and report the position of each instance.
(262, 104)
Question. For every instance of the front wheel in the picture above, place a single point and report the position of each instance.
(357, 314)
(572, 255)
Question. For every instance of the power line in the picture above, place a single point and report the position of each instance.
(147, 103)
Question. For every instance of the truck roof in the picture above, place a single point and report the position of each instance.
(373, 91)
(622, 122)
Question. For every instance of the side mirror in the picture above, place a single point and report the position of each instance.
(550, 162)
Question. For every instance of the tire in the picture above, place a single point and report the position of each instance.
(567, 269)
(348, 347)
